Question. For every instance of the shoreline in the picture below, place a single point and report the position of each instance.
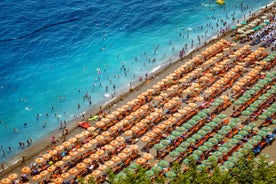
(137, 88)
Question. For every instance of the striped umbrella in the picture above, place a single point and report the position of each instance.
(251, 109)
(174, 154)
(247, 128)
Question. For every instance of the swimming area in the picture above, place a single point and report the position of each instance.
(56, 55)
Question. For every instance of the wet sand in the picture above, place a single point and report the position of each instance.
(41, 146)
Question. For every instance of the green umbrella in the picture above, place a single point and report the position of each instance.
(223, 169)
(222, 132)
(237, 154)
(193, 122)
(246, 113)
(232, 124)
(228, 145)
(274, 122)
(176, 133)
(233, 141)
(165, 142)
(184, 144)
(260, 85)
(251, 91)
(238, 137)
(186, 161)
(271, 91)
(223, 149)
(208, 111)
(237, 120)
(215, 104)
(180, 149)
(243, 132)
(238, 102)
(159, 146)
(253, 125)
(254, 105)
(197, 152)
(226, 128)
(273, 105)
(271, 109)
(163, 163)
(265, 155)
(212, 124)
(197, 136)
(193, 157)
(267, 113)
(228, 164)
(246, 95)
(258, 102)
(203, 148)
(266, 129)
(262, 117)
(262, 133)
(156, 169)
(201, 167)
(233, 27)
(212, 140)
(255, 88)
(266, 95)
(253, 141)
(174, 154)
(191, 140)
(187, 125)
(150, 173)
(251, 109)
(218, 136)
(247, 128)
(222, 116)
(180, 129)
(243, 23)
(243, 99)
(233, 159)
(196, 118)
(217, 154)
(248, 146)
(257, 137)
(207, 128)
(133, 166)
(201, 132)
(218, 100)
(170, 174)
(210, 159)
(202, 114)
(262, 97)
(216, 120)
(171, 137)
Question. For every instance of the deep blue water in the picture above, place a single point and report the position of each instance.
(52, 48)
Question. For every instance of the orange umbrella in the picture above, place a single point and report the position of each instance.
(60, 148)
(87, 145)
(58, 180)
(100, 137)
(87, 160)
(44, 173)
(106, 134)
(100, 124)
(161, 126)
(140, 124)
(113, 128)
(108, 147)
(47, 156)
(91, 129)
(135, 129)
(172, 119)
(96, 173)
(128, 132)
(85, 133)
(148, 156)
(110, 116)
(59, 163)
(36, 177)
(102, 167)
(224, 97)
(134, 147)
(72, 140)
(188, 109)
(67, 157)
(145, 139)
(120, 139)
(80, 150)
(94, 157)
(81, 166)
(168, 105)
(105, 120)
(65, 175)
(122, 155)
(177, 115)
(199, 99)
(116, 113)
(93, 141)
(53, 152)
(125, 106)
(73, 171)
(141, 160)
(39, 160)
(51, 168)
(156, 130)
(237, 88)
(13, 176)
(79, 136)
(115, 159)
(73, 153)
(151, 134)
(120, 124)
(127, 150)
(100, 152)
(114, 143)
(66, 144)
(88, 177)
(120, 110)
(109, 163)
(6, 181)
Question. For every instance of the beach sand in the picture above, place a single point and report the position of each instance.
(41, 146)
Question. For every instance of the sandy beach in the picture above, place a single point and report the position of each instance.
(27, 156)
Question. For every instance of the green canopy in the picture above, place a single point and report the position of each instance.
(201, 167)
(248, 146)
(218, 100)
(186, 161)
(262, 133)
(233, 141)
(250, 109)
(266, 129)
(210, 159)
(257, 137)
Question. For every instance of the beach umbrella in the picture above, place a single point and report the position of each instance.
(122, 155)
(120, 139)
(217, 120)
(133, 166)
(248, 146)
(207, 128)
(232, 124)
(87, 145)
(180, 149)
(165, 142)
(109, 163)
(176, 133)
(220, 101)
(207, 111)
(102, 167)
(217, 154)
(180, 129)
(210, 159)
(170, 174)
(148, 156)
(191, 140)
(93, 141)
(171, 137)
(213, 140)
(215, 104)
(53, 152)
(210, 144)
(201, 132)
(81, 150)
(233, 141)
(197, 136)
(65, 175)
(266, 129)
(257, 137)
(163, 163)
(253, 141)
(267, 113)
(156, 169)
(262, 133)
(193, 122)
(6, 181)
(222, 116)
(36, 177)
(184, 144)
(223, 149)
(193, 157)
(236, 120)
(60, 148)
(197, 152)
(39, 160)
(237, 154)
(127, 150)
(150, 173)
(67, 157)
(226, 128)
(274, 122)
(145, 139)
(218, 136)
(265, 155)
(202, 114)
(186, 161)
(243, 132)
(196, 119)
(212, 124)
(174, 154)
(159, 146)
(52, 168)
(228, 164)
(246, 113)
(13, 176)
(233, 27)
(187, 125)
(222, 132)
(262, 117)
(228, 144)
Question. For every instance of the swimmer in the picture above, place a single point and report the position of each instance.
(15, 130)
(25, 124)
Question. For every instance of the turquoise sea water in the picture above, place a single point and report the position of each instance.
(53, 53)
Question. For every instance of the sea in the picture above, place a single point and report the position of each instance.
(60, 58)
